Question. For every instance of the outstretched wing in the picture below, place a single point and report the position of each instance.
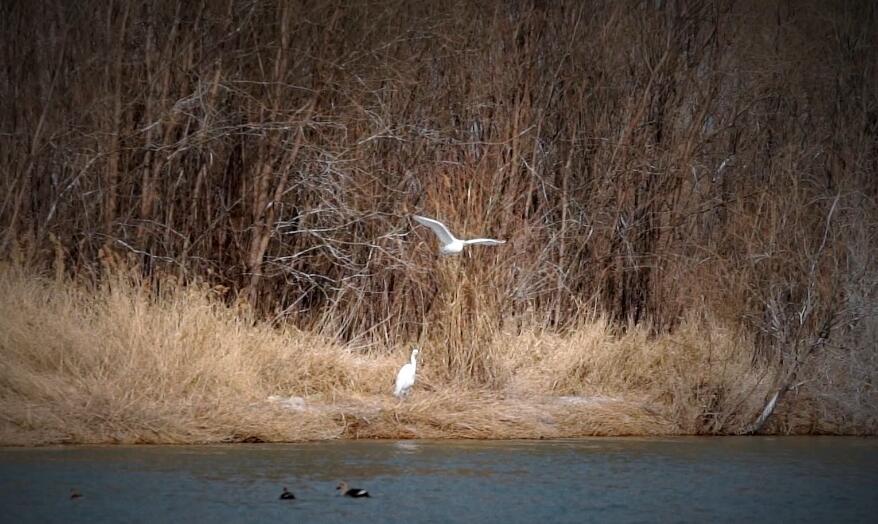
(439, 228)
(485, 241)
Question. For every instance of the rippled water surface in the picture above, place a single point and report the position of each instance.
(809, 479)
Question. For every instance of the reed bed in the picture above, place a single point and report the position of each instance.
(119, 364)
(214, 200)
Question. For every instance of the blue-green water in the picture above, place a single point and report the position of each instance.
(810, 479)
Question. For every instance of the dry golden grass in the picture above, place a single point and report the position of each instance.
(113, 365)
(118, 364)
(700, 376)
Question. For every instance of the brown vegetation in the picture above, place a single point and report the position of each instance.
(119, 364)
(223, 192)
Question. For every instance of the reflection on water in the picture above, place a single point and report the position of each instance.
(808, 479)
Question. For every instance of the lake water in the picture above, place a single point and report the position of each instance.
(807, 479)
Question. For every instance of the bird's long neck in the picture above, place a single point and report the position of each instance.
(414, 360)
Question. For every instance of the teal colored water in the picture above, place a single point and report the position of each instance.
(813, 479)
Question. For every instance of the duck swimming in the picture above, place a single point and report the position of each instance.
(287, 495)
(351, 492)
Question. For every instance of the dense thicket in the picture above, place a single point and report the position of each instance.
(643, 158)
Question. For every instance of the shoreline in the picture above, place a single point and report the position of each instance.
(377, 418)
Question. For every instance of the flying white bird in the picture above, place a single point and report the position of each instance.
(452, 245)
(405, 379)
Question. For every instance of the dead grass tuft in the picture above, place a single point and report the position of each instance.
(117, 364)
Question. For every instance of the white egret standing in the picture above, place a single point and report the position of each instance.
(405, 379)
(451, 245)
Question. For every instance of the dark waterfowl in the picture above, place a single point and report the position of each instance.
(75, 494)
(351, 492)
(287, 495)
